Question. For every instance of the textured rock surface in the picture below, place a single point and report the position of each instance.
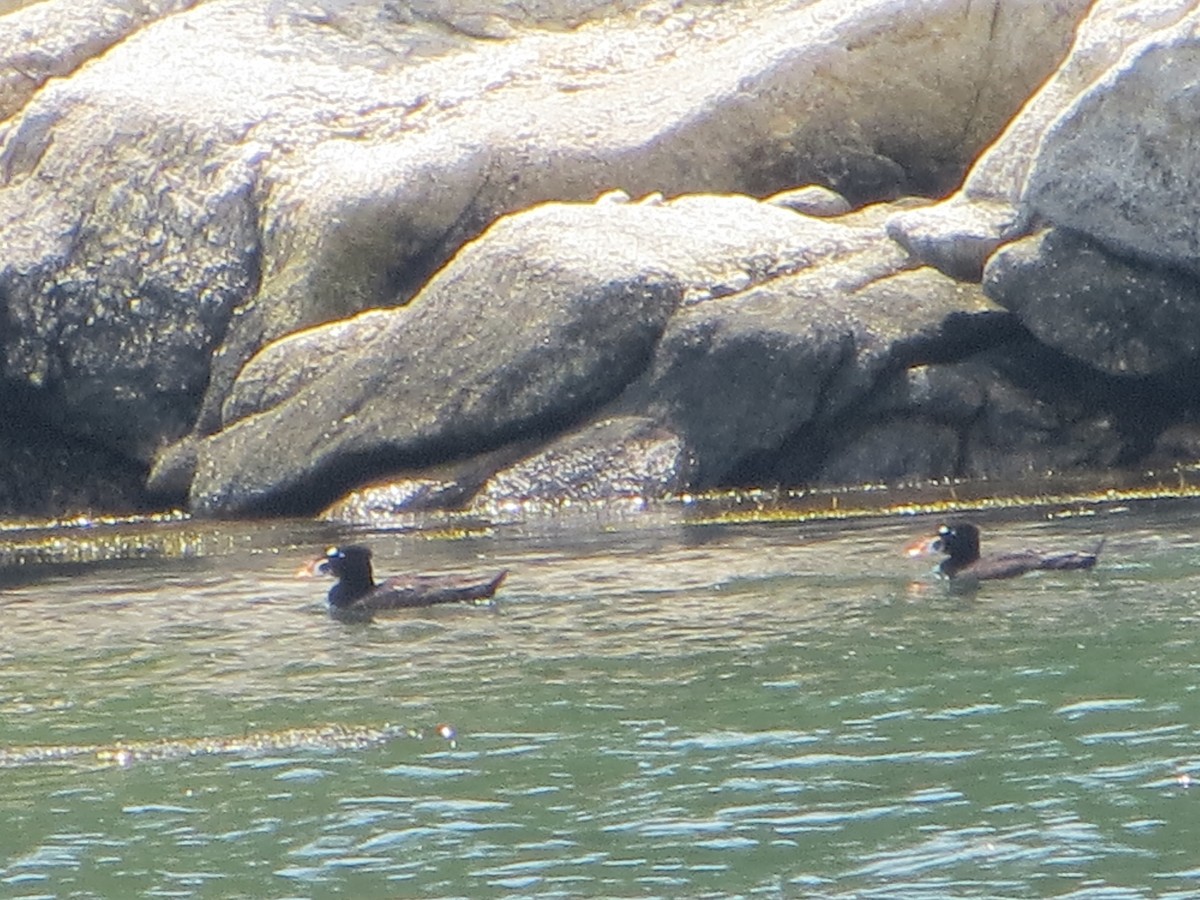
(244, 170)
(740, 377)
(199, 200)
(958, 235)
(1121, 163)
(42, 472)
(395, 499)
(1120, 318)
(627, 457)
(955, 237)
(532, 326)
(44, 39)
(1012, 411)
(771, 319)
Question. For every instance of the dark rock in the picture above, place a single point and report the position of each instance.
(173, 470)
(110, 311)
(1119, 316)
(448, 486)
(1178, 444)
(740, 377)
(891, 452)
(1015, 410)
(49, 474)
(1020, 434)
(399, 498)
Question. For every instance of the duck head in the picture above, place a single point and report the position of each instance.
(351, 566)
(958, 540)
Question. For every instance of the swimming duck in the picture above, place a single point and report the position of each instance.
(960, 542)
(356, 596)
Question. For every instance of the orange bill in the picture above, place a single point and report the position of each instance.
(923, 546)
(310, 569)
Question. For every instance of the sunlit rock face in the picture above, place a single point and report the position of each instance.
(725, 325)
(958, 234)
(270, 252)
(1113, 277)
(525, 333)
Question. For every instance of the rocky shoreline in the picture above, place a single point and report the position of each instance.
(253, 260)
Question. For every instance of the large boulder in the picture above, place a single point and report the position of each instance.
(1119, 316)
(1100, 162)
(530, 327)
(1119, 164)
(230, 171)
(768, 321)
(1111, 277)
(959, 234)
(751, 381)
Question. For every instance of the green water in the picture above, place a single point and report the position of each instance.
(656, 710)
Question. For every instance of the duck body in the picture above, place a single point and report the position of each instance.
(963, 562)
(356, 596)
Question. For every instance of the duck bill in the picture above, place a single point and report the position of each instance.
(926, 546)
(310, 569)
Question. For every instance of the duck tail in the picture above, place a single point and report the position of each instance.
(498, 580)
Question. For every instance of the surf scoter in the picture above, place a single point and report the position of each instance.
(356, 596)
(960, 542)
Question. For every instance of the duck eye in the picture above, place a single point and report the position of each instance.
(333, 553)
(944, 531)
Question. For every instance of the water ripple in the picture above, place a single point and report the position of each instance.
(689, 710)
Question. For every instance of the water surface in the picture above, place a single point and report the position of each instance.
(654, 709)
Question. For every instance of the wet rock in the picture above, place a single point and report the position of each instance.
(449, 486)
(626, 457)
(1122, 317)
(397, 498)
